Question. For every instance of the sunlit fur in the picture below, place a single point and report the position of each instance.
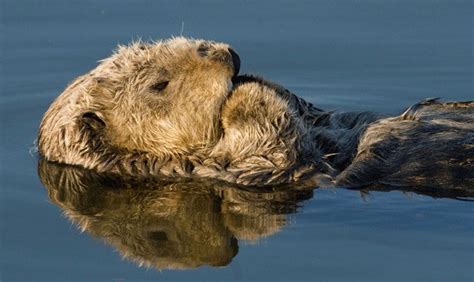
(165, 223)
(178, 121)
(257, 133)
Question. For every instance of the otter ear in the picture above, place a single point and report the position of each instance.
(93, 121)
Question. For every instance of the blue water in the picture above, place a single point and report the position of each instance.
(345, 55)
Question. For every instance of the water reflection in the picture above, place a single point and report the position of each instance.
(178, 223)
(163, 223)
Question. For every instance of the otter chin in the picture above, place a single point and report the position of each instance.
(180, 108)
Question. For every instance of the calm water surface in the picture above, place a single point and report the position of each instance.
(347, 55)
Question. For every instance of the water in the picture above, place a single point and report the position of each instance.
(347, 55)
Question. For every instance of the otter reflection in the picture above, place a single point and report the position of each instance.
(165, 223)
(178, 223)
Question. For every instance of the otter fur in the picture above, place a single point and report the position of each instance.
(179, 108)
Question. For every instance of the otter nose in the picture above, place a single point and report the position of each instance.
(235, 61)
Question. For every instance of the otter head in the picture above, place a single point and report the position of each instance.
(165, 97)
(178, 106)
(162, 97)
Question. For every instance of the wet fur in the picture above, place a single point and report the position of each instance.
(258, 134)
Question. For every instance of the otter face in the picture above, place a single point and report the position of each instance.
(165, 97)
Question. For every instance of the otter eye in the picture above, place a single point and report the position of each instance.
(160, 86)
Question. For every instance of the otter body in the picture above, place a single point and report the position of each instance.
(178, 108)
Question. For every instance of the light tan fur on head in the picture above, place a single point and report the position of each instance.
(124, 95)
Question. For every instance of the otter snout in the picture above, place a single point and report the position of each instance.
(225, 55)
(235, 61)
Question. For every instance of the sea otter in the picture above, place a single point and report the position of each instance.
(179, 108)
